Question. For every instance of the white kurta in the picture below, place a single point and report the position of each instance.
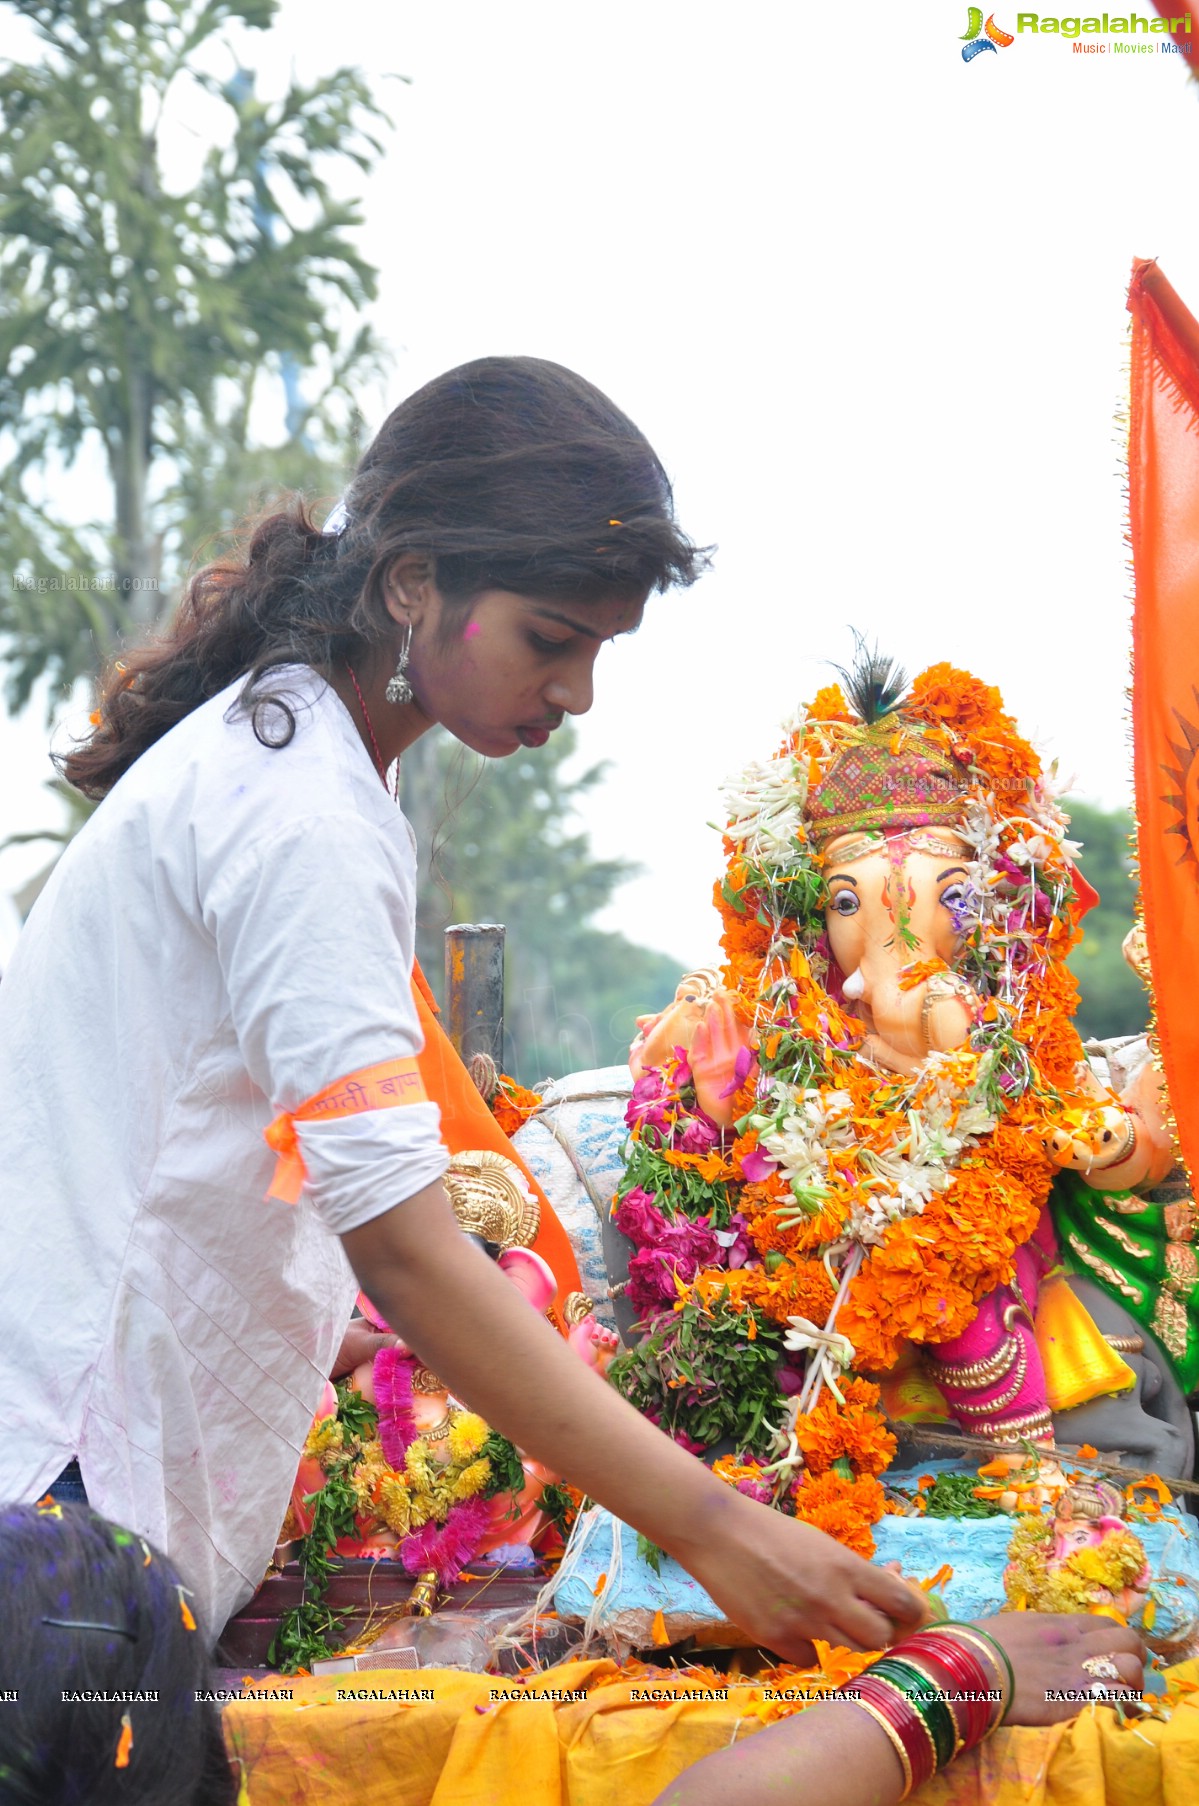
(231, 932)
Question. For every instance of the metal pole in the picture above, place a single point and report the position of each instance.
(474, 987)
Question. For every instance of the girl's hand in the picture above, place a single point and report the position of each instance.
(785, 1583)
(1047, 1651)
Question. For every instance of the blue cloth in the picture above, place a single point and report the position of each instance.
(69, 1489)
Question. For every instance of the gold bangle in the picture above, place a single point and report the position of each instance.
(1017, 1429)
(996, 1404)
(973, 1376)
(1129, 1147)
(896, 1740)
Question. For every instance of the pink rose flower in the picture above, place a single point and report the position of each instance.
(638, 1217)
(699, 1135)
(649, 1103)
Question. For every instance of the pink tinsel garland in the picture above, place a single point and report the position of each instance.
(393, 1397)
(446, 1548)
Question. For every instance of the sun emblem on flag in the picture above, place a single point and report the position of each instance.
(1186, 780)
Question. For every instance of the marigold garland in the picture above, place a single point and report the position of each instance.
(511, 1104)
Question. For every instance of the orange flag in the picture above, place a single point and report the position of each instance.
(1163, 482)
(467, 1123)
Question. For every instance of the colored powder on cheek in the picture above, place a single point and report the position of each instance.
(470, 630)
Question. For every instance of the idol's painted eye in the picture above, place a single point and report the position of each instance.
(845, 903)
(954, 895)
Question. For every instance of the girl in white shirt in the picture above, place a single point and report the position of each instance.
(232, 932)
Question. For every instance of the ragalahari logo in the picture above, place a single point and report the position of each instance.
(974, 42)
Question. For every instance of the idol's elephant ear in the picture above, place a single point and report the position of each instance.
(1151, 1425)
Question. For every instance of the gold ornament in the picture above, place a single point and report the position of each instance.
(490, 1199)
(575, 1307)
(423, 1596)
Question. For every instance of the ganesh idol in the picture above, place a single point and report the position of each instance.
(889, 1062)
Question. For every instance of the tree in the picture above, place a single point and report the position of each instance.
(141, 320)
(1113, 998)
(496, 845)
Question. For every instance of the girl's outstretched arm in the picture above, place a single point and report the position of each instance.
(783, 1582)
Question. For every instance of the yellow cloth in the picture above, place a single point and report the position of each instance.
(316, 1750)
(908, 1395)
(1079, 1363)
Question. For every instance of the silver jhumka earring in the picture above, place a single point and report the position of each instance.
(398, 688)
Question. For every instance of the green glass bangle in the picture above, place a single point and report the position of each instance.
(972, 1630)
(919, 1689)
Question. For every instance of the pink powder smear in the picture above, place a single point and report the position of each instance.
(469, 632)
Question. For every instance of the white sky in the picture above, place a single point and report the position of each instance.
(866, 301)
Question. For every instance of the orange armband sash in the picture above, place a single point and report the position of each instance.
(371, 1088)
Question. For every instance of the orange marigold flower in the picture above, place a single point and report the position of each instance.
(918, 971)
(844, 1509)
(829, 704)
(512, 1105)
(793, 1289)
(855, 1432)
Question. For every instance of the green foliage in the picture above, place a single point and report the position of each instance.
(137, 321)
(700, 1372)
(507, 1468)
(560, 1507)
(356, 1414)
(497, 844)
(1113, 997)
(952, 1496)
(675, 1188)
(649, 1553)
(310, 1630)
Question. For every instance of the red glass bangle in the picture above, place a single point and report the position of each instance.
(958, 1661)
(954, 1654)
(993, 1651)
(899, 1712)
(923, 1693)
(970, 1716)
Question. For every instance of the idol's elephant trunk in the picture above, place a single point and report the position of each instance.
(909, 1018)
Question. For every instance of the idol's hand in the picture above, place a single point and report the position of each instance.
(360, 1343)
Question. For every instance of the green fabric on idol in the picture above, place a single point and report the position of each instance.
(1139, 1249)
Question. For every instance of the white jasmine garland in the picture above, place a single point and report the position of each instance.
(765, 809)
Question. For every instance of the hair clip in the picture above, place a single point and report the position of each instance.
(116, 1630)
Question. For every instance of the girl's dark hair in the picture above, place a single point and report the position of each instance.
(73, 1566)
(509, 473)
